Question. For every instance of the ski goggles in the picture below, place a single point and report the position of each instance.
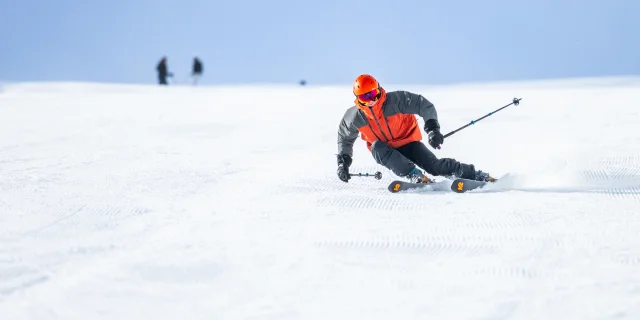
(372, 95)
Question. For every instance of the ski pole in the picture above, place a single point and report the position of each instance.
(515, 102)
(377, 175)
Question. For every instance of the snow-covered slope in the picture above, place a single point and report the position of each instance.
(137, 202)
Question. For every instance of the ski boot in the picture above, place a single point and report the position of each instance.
(416, 176)
(483, 176)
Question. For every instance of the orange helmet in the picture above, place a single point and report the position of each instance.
(365, 83)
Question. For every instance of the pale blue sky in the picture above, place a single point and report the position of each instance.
(324, 42)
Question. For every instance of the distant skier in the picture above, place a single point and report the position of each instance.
(162, 71)
(197, 70)
(387, 122)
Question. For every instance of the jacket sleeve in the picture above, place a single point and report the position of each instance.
(417, 104)
(347, 133)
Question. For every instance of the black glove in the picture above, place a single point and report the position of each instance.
(432, 127)
(344, 161)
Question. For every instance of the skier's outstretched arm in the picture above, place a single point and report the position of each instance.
(347, 135)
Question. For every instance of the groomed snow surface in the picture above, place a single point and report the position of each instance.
(146, 202)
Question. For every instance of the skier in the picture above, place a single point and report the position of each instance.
(197, 70)
(387, 122)
(163, 73)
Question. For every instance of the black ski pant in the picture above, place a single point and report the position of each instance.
(403, 159)
(162, 79)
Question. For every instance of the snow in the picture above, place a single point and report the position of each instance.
(141, 202)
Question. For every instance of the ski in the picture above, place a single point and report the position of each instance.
(464, 185)
(398, 186)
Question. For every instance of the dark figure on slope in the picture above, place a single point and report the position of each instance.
(387, 122)
(196, 73)
(163, 73)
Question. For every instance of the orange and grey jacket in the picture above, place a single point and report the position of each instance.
(391, 120)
